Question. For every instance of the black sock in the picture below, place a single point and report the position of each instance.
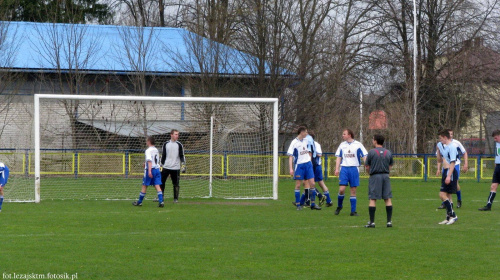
(306, 193)
(372, 209)
(491, 197)
(388, 209)
(449, 208)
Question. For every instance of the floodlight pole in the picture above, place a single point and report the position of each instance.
(415, 80)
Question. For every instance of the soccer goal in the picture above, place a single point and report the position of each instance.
(92, 147)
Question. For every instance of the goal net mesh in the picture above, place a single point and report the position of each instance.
(94, 149)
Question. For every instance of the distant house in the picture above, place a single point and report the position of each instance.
(114, 60)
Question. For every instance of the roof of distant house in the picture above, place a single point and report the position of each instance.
(54, 47)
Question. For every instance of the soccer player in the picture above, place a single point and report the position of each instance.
(152, 176)
(379, 163)
(301, 168)
(4, 177)
(448, 156)
(496, 173)
(349, 155)
(318, 174)
(461, 151)
(173, 162)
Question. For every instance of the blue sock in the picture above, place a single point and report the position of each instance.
(328, 199)
(297, 197)
(312, 193)
(459, 195)
(1, 201)
(160, 197)
(141, 197)
(302, 199)
(341, 200)
(353, 204)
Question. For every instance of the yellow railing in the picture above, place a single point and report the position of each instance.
(15, 161)
(403, 168)
(53, 163)
(487, 167)
(101, 163)
(470, 174)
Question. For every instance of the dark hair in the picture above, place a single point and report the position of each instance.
(173, 131)
(379, 139)
(445, 133)
(448, 129)
(350, 132)
(151, 140)
(301, 128)
(311, 133)
(495, 133)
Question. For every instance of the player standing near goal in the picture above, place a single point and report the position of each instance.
(301, 168)
(4, 177)
(173, 162)
(496, 173)
(152, 176)
(448, 155)
(318, 174)
(379, 163)
(461, 151)
(349, 155)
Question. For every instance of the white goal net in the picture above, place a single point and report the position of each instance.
(92, 147)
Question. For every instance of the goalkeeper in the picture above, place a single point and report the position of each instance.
(173, 162)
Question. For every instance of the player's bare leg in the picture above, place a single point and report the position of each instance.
(459, 196)
(491, 197)
(326, 194)
(446, 198)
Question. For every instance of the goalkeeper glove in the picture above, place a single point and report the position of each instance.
(161, 168)
(183, 167)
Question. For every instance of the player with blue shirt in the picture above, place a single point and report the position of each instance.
(349, 155)
(301, 168)
(4, 177)
(152, 175)
(496, 174)
(461, 152)
(448, 155)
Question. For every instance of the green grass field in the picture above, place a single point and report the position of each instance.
(254, 239)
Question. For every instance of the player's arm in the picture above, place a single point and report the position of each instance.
(150, 164)
(337, 166)
(466, 164)
(182, 158)
(439, 162)
(290, 163)
(450, 171)
(367, 162)
(163, 154)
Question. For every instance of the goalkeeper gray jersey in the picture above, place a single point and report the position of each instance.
(172, 155)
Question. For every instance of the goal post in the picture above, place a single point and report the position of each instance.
(92, 146)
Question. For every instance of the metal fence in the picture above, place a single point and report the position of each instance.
(224, 164)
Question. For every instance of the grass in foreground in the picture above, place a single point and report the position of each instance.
(228, 239)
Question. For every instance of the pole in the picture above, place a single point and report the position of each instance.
(415, 84)
(361, 116)
(275, 151)
(36, 123)
(211, 154)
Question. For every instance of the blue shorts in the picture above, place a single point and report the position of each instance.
(349, 176)
(156, 180)
(304, 171)
(318, 173)
(4, 177)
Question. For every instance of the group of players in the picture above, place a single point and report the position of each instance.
(157, 170)
(305, 167)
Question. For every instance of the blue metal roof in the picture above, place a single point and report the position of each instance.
(47, 47)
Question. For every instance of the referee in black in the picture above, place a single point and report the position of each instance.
(378, 163)
(173, 162)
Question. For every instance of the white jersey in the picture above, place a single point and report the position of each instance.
(153, 156)
(351, 153)
(317, 149)
(460, 149)
(299, 150)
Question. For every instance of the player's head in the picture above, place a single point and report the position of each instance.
(347, 134)
(174, 135)
(444, 136)
(496, 135)
(450, 131)
(378, 140)
(302, 131)
(310, 132)
(150, 141)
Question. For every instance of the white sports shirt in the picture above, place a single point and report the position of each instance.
(460, 149)
(153, 156)
(351, 153)
(317, 148)
(298, 149)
